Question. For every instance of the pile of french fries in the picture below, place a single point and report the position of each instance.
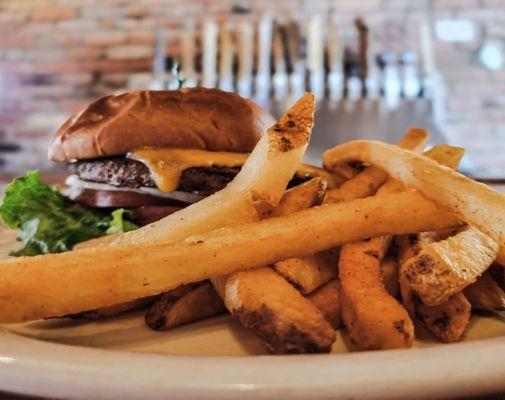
(404, 238)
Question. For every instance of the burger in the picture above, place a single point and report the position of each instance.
(135, 158)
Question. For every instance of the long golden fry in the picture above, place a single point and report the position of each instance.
(473, 202)
(111, 275)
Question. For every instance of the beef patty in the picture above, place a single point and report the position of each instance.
(125, 172)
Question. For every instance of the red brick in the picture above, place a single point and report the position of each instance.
(24, 5)
(108, 24)
(86, 53)
(105, 38)
(77, 25)
(57, 67)
(72, 105)
(116, 79)
(141, 37)
(129, 52)
(76, 79)
(16, 41)
(136, 11)
(14, 17)
(68, 40)
(116, 2)
(53, 14)
(117, 65)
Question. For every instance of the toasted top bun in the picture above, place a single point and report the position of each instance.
(199, 118)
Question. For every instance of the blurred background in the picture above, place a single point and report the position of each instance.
(376, 66)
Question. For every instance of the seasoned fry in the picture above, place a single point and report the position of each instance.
(485, 294)
(447, 321)
(444, 268)
(258, 297)
(327, 300)
(375, 320)
(259, 185)
(450, 156)
(111, 275)
(476, 203)
(362, 185)
(367, 182)
(301, 197)
(309, 273)
(183, 305)
(389, 274)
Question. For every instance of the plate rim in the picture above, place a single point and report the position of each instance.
(34, 367)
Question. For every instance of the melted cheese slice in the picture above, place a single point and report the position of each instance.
(167, 165)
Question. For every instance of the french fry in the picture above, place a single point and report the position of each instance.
(445, 268)
(267, 304)
(450, 156)
(367, 182)
(374, 319)
(327, 300)
(447, 321)
(364, 184)
(111, 275)
(183, 305)
(390, 275)
(301, 197)
(416, 139)
(259, 185)
(475, 203)
(306, 274)
(309, 273)
(248, 298)
(485, 294)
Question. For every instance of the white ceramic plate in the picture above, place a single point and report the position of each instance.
(218, 359)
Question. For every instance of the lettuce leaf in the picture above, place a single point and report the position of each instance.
(119, 223)
(49, 222)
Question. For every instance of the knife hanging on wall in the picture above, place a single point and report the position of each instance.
(245, 36)
(188, 52)
(295, 61)
(264, 59)
(209, 57)
(335, 50)
(226, 53)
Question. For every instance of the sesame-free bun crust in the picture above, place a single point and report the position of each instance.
(197, 118)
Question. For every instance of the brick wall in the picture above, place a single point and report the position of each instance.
(56, 55)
